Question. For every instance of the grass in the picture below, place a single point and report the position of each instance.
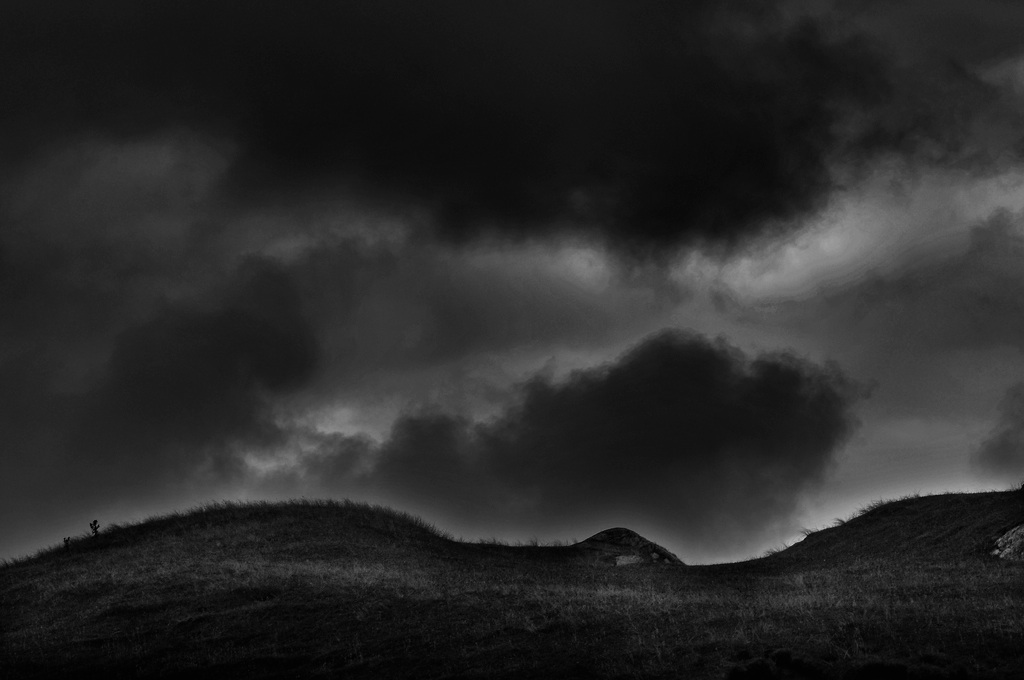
(322, 589)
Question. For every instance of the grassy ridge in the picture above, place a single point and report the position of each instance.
(318, 589)
(948, 527)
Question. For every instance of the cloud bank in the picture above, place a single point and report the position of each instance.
(685, 123)
(682, 433)
(188, 385)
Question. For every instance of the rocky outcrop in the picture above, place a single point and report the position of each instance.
(1010, 546)
(621, 547)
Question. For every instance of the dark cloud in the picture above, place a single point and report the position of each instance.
(979, 32)
(675, 123)
(956, 97)
(384, 312)
(681, 433)
(1001, 454)
(188, 386)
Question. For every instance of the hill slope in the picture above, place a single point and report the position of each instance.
(319, 589)
(944, 528)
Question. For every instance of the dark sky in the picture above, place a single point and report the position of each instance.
(711, 270)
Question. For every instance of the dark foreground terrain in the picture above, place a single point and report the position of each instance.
(316, 589)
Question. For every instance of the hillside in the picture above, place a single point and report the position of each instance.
(321, 589)
(944, 528)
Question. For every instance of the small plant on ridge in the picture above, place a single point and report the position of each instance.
(95, 526)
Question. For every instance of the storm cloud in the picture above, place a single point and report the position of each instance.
(682, 433)
(684, 123)
(183, 390)
(1001, 454)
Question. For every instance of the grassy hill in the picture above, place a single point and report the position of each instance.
(325, 589)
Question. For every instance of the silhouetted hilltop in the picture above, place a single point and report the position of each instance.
(623, 547)
(328, 589)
